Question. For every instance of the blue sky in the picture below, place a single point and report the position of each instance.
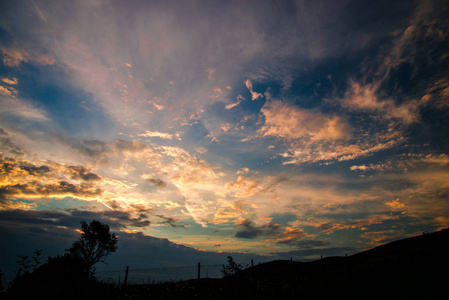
(269, 130)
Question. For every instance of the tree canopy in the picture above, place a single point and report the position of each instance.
(95, 243)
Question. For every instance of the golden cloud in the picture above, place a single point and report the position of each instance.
(24, 179)
(365, 98)
(395, 204)
(293, 123)
(12, 81)
(243, 187)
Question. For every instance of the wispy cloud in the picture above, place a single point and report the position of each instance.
(365, 98)
(162, 135)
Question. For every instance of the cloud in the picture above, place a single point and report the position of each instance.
(244, 170)
(365, 98)
(24, 179)
(381, 237)
(93, 148)
(243, 187)
(7, 144)
(240, 98)
(157, 182)
(171, 221)
(331, 227)
(8, 91)
(312, 136)
(13, 81)
(364, 168)
(81, 172)
(437, 94)
(231, 105)
(232, 211)
(166, 136)
(293, 123)
(254, 95)
(291, 236)
(13, 106)
(61, 189)
(249, 230)
(12, 57)
(395, 204)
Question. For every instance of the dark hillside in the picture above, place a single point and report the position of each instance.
(412, 268)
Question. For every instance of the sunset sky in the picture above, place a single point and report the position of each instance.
(266, 129)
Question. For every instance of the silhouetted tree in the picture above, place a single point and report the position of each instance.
(231, 268)
(36, 259)
(24, 263)
(95, 243)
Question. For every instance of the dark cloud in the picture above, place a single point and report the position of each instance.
(170, 221)
(157, 182)
(118, 219)
(325, 226)
(90, 147)
(54, 231)
(248, 230)
(34, 170)
(64, 187)
(140, 208)
(134, 146)
(10, 166)
(81, 172)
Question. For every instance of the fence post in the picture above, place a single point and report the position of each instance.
(324, 273)
(126, 275)
(199, 277)
(293, 277)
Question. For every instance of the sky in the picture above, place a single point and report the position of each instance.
(200, 129)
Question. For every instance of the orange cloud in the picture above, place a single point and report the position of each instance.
(21, 178)
(243, 187)
(12, 57)
(293, 123)
(12, 81)
(291, 234)
(395, 204)
(8, 91)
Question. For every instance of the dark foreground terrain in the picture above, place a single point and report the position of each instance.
(413, 268)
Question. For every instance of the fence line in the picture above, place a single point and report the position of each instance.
(325, 269)
(161, 274)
